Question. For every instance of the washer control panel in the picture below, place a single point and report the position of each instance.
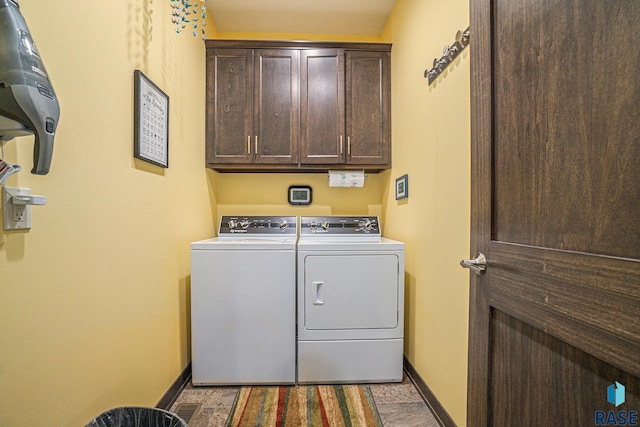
(340, 225)
(258, 225)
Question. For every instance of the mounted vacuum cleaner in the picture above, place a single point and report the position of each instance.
(28, 103)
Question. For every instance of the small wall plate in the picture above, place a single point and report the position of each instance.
(402, 187)
(299, 195)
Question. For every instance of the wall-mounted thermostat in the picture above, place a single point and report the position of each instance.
(299, 195)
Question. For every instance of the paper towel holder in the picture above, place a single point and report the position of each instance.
(347, 178)
(365, 176)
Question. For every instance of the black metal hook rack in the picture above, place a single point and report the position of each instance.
(449, 53)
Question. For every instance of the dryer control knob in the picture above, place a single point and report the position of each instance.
(313, 225)
(325, 225)
(232, 224)
(244, 224)
(367, 225)
(283, 225)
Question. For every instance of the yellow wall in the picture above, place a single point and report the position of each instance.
(94, 298)
(266, 194)
(431, 143)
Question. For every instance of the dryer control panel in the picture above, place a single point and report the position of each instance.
(340, 225)
(258, 225)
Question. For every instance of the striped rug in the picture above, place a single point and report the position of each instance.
(311, 406)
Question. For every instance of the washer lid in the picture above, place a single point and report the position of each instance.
(246, 243)
(312, 243)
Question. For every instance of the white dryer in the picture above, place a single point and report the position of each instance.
(243, 293)
(350, 302)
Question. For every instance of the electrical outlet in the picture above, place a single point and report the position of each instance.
(16, 216)
(19, 213)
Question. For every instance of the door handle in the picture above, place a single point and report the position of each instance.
(478, 265)
(319, 300)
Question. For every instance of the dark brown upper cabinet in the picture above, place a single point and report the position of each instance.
(322, 106)
(368, 100)
(298, 106)
(252, 114)
(229, 105)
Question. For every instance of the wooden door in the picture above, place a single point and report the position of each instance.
(322, 139)
(229, 126)
(368, 104)
(555, 319)
(276, 109)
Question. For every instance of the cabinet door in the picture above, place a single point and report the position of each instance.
(322, 106)
(368, 88)
(276, 108)
(229, 105)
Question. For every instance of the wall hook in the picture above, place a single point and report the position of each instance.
(449, 53)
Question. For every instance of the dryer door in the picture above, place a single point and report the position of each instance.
(347, 292)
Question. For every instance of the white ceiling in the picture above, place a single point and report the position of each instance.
(344, 17)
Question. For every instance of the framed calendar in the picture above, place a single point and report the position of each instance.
(151, 121)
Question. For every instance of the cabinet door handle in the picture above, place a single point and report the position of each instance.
(349, 146)
(340, 144)
(256, 145)
(249, 144)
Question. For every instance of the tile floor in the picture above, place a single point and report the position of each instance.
(399, 405)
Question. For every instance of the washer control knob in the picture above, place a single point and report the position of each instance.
(325, 225)
(232, 224)
(283, 225)
(313, 225)
(244, 224)
(368, 225)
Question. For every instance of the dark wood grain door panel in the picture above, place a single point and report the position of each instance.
(322, 139)
(229, 124)
(555, 320)
(276, 110)
(368, 104)
(567, 138)
(548, 382)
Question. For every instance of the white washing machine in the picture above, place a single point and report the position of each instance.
(243, 293)
(350, 302)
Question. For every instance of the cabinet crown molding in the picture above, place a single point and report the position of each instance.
(293, 44)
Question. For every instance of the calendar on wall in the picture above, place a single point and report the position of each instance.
(151, 121)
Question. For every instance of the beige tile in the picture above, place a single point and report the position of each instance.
(207, 396)
(210, 417)
(216, 404)
(412, 414)
(395, 393)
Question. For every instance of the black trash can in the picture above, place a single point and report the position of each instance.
(130, 416)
